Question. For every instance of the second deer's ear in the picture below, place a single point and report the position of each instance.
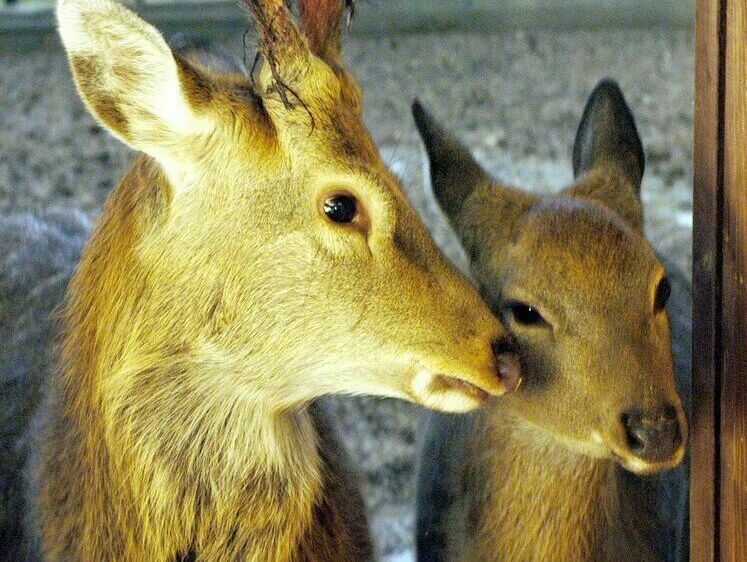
(454, 172)
(607, 135)
(483, 213)
(608, 158)
(128, 77)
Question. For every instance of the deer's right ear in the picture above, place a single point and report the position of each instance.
(128, 77)
(454, 172)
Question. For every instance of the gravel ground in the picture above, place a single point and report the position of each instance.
(514, 98)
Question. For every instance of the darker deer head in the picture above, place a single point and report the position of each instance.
(578, 286)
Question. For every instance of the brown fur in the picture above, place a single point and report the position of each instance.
(215, 302)
(549, 473)
(105, 105)
(164, 490)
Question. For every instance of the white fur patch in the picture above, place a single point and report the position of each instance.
(135, 69)
(432, 394)
(637, 465)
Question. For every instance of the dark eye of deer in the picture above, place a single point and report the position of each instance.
(662, 294)
(341, 208)
(525, 314)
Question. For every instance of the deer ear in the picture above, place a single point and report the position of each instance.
(128, 77)
(483, 213)
(454, 172)
(608, 159)
(607, 136)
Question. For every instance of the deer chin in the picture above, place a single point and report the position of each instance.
(606, 449)
(447, 393)
(643, 467)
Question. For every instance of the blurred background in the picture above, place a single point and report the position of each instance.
(509, 77)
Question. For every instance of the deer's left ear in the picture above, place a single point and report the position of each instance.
(454, 172)
(129, 78)
(608, 147)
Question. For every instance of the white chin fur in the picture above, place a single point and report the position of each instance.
(430, 394)
(640, 466)
(637, 466)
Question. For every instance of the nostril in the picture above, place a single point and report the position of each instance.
(669, 413)
(635, 434)
(676, 435)
(508, 366)
(653, 436)
(509, 371)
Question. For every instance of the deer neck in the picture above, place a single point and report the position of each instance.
(568, 506)
(180, 461)
(182, 471)
(564, 501)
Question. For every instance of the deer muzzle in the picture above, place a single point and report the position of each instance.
(461, 390)
(654, 438)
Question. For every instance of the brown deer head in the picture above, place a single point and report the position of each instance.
(579, 288)
(260, 241)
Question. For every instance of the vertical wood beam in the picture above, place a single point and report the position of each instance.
(733, 427)
(719, 421)
(707, 179)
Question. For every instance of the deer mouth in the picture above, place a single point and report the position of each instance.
(642, 467)
(445, 382)
(447, 393)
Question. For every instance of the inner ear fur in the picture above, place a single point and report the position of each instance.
(129, 78)
(608, 159)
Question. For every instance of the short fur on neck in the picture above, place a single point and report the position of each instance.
(173, 465)
(539, 500)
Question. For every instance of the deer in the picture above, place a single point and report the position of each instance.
(582, 462)
(255, 257)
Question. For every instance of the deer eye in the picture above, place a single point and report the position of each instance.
(663, 291)
(525, 314)
(341, 208)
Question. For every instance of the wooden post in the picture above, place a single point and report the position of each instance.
(706, 280)
(733, 443)
(719, 421)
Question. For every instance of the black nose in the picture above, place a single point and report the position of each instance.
(507, 363)
(653, 435)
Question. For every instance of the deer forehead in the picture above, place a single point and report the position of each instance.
(583, 234)
(581, 252)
